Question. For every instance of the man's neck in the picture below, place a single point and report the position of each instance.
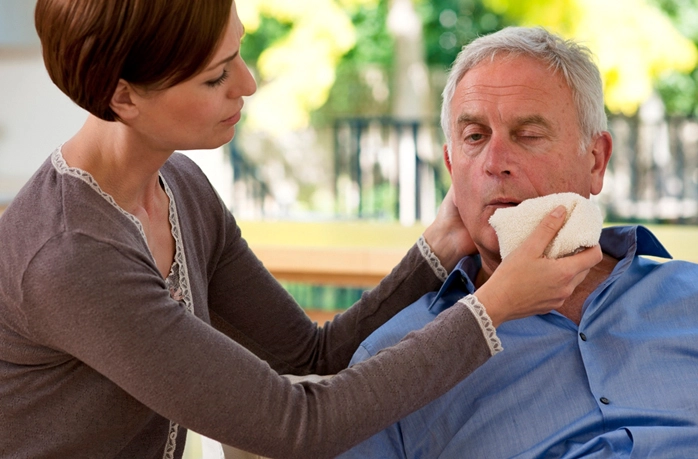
(572, 307)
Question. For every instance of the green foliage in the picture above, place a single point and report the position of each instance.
(381, 202)
(270, 30)
(374, 45)
(679, 91)
(362, 71)
(634, 42)
(294, 49)
(683, 13)
(365, 72)
(323, 297)
(451, 24)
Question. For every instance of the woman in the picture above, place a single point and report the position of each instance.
(118, 256)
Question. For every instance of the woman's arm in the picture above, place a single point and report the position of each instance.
(106, 309)
(103, 306)
(242, 295)
(249, 305)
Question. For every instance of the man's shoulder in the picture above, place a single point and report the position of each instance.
(413, 317)
(682, 274)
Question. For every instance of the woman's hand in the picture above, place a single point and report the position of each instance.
(447, 236)
(527, 283)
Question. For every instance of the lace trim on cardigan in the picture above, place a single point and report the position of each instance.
(179, 291)
(180, 263)
(432, 259)
(488, 330)
(62, 167)
(177, 281)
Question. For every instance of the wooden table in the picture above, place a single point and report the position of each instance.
(351, 254)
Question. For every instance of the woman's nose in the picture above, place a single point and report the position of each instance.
(242, 82)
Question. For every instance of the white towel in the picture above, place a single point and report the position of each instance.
(582, 226)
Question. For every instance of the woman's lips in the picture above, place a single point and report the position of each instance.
(233, 119)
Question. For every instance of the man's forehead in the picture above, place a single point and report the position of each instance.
(512, 109)
(510, 73)
(519, 88)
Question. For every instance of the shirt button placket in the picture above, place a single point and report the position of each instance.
(603, 400)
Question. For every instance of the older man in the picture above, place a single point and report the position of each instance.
(614, 371)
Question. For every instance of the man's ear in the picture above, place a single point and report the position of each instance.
(447, 160)
(602, 146)
(122, 101)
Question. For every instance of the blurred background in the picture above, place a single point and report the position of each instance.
(337, 165)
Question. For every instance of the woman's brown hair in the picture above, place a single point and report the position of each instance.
(88, 45)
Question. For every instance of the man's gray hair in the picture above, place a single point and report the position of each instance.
(573, 60)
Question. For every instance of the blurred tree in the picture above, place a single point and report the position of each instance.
(318, 60)
(303, 51)
(295, 48)
(634, 41)
(380, 72)
(366, 73)
(679, 90)
(362, 87)
(349, 53)
(450, 24)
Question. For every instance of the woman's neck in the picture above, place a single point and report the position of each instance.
(127, 170)
(123, 166)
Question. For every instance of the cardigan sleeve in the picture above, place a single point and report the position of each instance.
(250, 306)
(104, 306)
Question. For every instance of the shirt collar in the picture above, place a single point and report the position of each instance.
(621, 242)
(626, 241)
(461, 278)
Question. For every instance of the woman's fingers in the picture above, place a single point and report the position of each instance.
(584, 260)
(447, 236)
(527, 283)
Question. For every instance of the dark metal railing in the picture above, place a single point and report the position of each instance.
(391, 169)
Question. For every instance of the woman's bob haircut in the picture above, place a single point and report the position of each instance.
(88, 45)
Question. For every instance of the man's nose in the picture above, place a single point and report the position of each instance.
(498, 156)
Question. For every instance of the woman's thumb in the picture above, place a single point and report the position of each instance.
(545, 232)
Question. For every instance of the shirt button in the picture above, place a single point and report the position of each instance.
(604, 400)
(583, 336)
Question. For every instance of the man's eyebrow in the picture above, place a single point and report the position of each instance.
(533, 119)
(223, 61)
(467, 118)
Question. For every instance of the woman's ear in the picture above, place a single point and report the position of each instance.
(122, 101)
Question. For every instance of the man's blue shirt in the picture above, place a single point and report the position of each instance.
(624, 383)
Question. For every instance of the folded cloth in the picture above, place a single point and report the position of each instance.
(582, 226)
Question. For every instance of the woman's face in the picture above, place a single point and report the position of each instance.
(199, 113)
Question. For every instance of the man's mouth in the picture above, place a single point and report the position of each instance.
(503, 202)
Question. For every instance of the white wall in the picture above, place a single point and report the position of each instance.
(35, 117)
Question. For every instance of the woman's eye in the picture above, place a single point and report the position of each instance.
(218, 81)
